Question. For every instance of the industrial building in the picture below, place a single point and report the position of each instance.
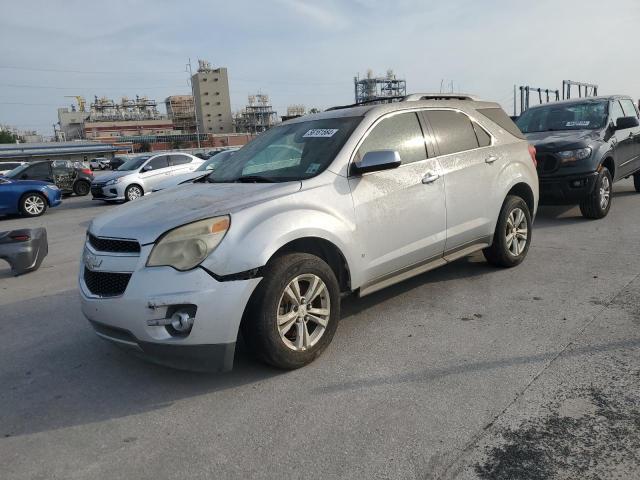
(257, 116)
(371, 88)
(211, 98)
(75, 151)
(181, 111)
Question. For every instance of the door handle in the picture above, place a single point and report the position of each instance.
(490, 159)
(430, 177)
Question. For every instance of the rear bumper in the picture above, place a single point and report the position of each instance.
(567, 189)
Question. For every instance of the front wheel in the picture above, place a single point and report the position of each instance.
(33, 205)
(132, 192)
(512, 237)
(636, 181)
(294, 312)
(598, 203)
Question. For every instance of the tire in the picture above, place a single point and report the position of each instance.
(636, 181)
(81, 188)
(33, 204)
(132, 192)
(507, 251)
(290, 348)
(598, 203)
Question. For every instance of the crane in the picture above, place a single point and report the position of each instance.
(81, 101)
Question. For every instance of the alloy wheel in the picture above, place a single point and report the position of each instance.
(133, 193)
(605, 192)
(516, 232)
(303, 312)
(34, 205)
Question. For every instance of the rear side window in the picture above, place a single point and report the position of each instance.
(497, 116)
(453, 131)
(159, 162)
(484, 139)
(629, 108)
(180, 159)
(401, 133)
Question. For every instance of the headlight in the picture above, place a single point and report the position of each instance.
(185, 247)
(114, 181)
(569, 156)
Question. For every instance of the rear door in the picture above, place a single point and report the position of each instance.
(154, 171)
(624, 150)
(630, 111)
(400, 213)
(468, 170)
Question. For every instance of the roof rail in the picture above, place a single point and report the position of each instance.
(440, 96)
(398, 98)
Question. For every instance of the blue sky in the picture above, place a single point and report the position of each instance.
(301, 51)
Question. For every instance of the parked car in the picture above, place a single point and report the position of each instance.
(30, 198)
(348, 200)
(583, 147)
(99, 163)
(142, 174)
(68, 177)
(6, 167)
(207, 167)
(116, 162)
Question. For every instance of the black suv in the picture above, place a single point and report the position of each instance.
(68, 176)
(584, 146)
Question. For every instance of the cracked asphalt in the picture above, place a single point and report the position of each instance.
(466, 372)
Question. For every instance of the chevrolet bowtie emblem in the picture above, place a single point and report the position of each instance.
(92, 261)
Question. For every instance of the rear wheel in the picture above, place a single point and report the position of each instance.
(294, 312)
(33, 205)
(636, 181)
(132, 192)
(512, 237)
(598, 203)
(81, 188)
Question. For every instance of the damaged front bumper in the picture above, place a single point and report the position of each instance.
(24, 249)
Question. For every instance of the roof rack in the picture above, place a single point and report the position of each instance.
(398, 98)
(440, 96)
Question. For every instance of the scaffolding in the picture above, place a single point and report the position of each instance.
(371, 88)
(296, 110)
(104, 109)
(257, 116)
(181, 111)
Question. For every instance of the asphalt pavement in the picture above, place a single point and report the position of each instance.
(464, 372)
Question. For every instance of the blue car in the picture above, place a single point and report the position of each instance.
(30, 198)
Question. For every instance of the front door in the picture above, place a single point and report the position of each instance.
(155, 171)
(624, 151)
(400, 213)
(633, 163)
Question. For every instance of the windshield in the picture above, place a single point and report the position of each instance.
(17, 171)
(574, 116)
(133, 163)
(289, 152)
(213, 161)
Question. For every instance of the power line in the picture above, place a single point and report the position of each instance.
(119, 72)
(51, 87)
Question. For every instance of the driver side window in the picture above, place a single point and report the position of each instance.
(401, 133)
(616, 111)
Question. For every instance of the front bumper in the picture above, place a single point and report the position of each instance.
(566, 189)
(107, 192)
(156, 293)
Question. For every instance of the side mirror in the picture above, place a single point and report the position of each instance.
(626, 122)
(146, 168)
(377, 160)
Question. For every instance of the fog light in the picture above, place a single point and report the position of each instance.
(181, 322)
(577, 183)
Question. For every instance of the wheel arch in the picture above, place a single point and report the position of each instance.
(524, 191)
(608, 162)
(28, 192)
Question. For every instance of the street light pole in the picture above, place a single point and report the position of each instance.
(193, 95)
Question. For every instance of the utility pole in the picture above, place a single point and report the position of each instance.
(193, 95)
(514, 101)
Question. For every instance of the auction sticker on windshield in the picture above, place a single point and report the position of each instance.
(320, 133)
(583, 123)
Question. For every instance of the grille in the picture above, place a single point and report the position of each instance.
(112, 245)
(547, 163)
(106, 284)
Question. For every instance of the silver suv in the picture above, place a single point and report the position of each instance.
(349, 200)
(140, 175)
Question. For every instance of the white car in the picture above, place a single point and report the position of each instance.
(6, 167)
(99, 163)
(207, 167)
(140, 175)
(350, 200)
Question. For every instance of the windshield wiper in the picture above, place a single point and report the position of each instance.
(254, 179)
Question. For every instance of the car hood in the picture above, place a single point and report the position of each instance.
(146, 218)
(112, 175)
(177, 179)
(564, 140)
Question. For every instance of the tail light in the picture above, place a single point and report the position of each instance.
(87, 171)
(20, 238)
(532, 152)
